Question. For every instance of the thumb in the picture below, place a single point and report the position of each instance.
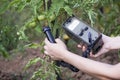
(47, 41)
(59, 41)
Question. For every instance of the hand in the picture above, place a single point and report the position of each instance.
(105, 48)
(55, 50)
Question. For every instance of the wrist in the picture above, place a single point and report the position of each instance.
(64, 54)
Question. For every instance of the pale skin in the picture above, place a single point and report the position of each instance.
(103, 71)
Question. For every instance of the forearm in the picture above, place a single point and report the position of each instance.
(100, 77)
(115, 43)
(88, 66)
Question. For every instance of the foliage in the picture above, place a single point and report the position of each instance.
(3, 6)
(107, 19)
(46, 71)
(8, 39)
(101, 14)
(10, 26)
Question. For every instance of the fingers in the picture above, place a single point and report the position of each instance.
(92, 55)
(102, 51)
(83, 47)
(79, 46)
(95, 55)
(45, 50)
(51, 56)
(59, 41)
(46, 41)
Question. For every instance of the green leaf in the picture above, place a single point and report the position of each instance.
(3, 51)
(21, 6)
(32, 62)
(55, 7)
(3, 6)
(38, 29)
(68, 10)
(14, 2)
(32, 45)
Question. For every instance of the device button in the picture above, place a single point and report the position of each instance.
(86, 28)
(81, 33)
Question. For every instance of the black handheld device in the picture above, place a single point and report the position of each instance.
(82, 32)
(50, 37)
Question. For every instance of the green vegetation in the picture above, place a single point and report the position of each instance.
(21, 22)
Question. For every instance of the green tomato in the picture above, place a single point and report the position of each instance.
(52, 17)
(32, 24)
(41, 17)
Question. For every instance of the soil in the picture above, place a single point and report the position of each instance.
(13, 68)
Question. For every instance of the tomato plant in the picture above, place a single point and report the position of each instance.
(41, 17)
(101, 14)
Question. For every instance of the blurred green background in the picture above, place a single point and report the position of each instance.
(21, 21)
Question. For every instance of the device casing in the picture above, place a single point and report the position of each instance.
(79, 32)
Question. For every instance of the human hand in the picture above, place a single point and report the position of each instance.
(55, 50)
(105, 48)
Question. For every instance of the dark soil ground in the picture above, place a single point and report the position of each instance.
(13, 69)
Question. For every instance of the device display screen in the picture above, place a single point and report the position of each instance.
(73, 24)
